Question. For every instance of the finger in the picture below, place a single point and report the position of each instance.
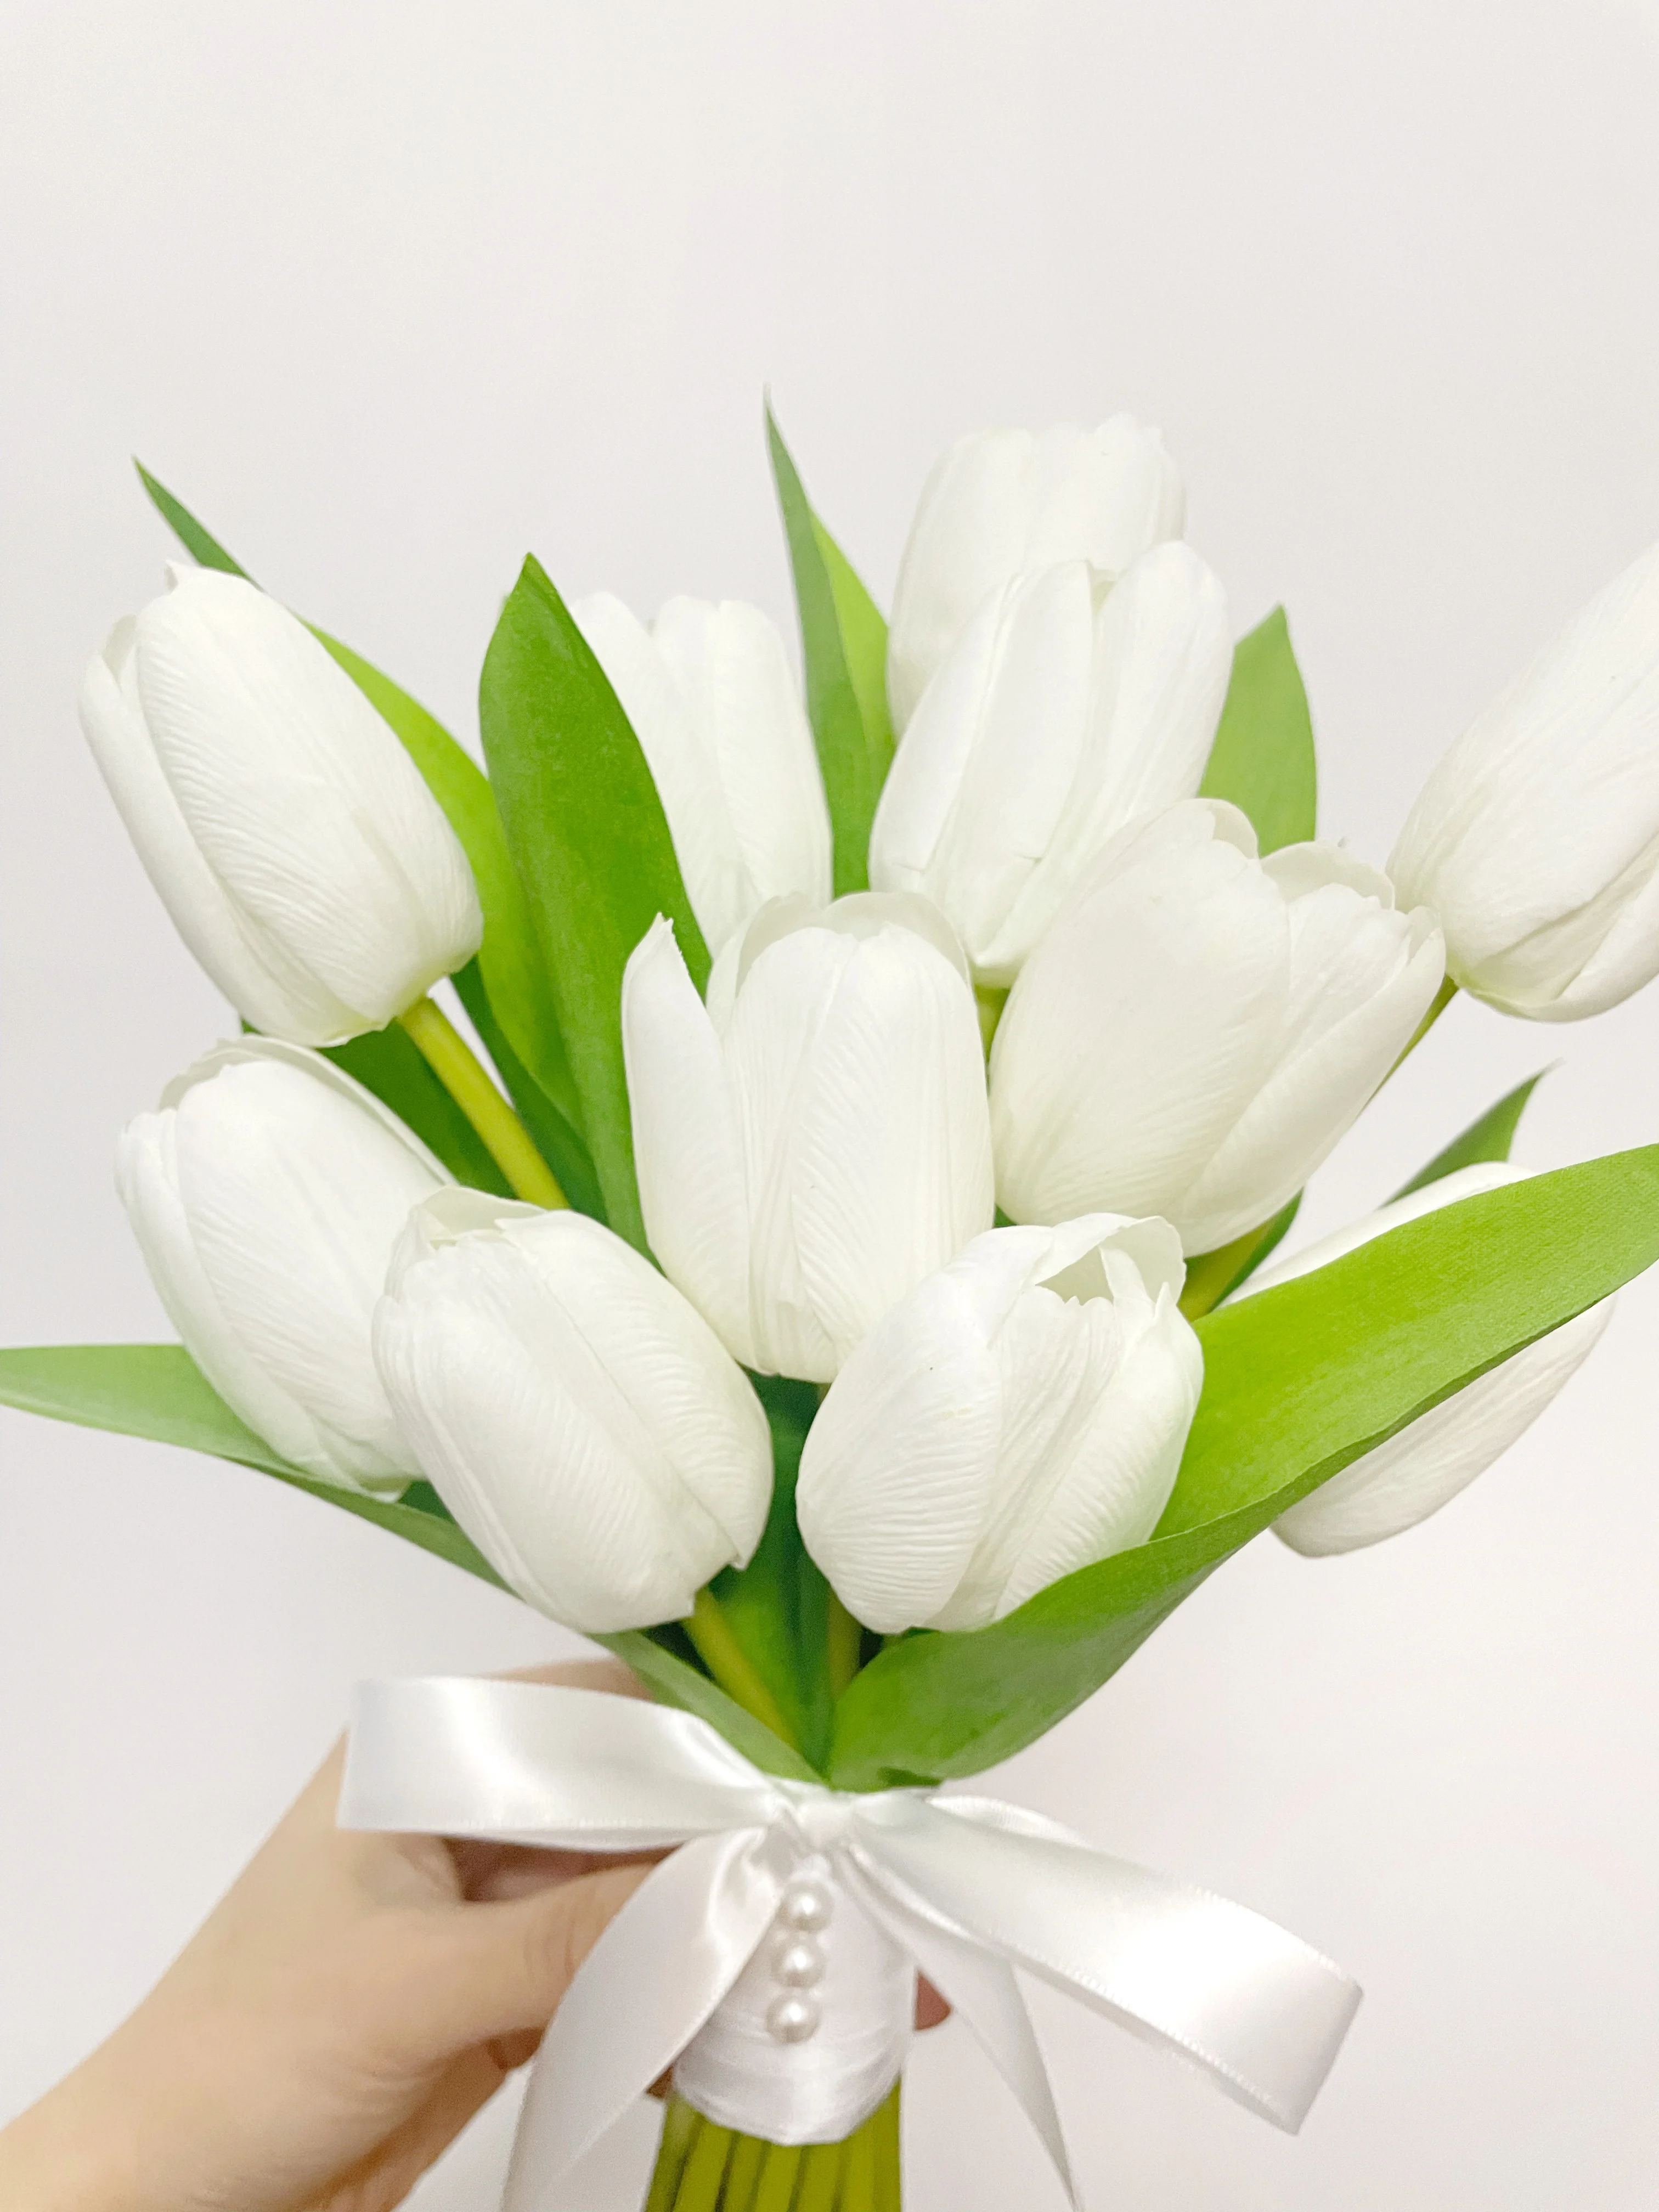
(496, 1969)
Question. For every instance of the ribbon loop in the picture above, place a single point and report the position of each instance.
(773, 1955)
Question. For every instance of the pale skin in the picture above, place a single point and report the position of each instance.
(338, 2018)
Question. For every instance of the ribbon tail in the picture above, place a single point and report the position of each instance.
(982, 1990)
(648, 1985)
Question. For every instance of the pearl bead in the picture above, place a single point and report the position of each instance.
(793, 2018)
(807, 1907)
(798, 1962)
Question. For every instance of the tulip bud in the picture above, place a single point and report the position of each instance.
(1067, 708)
(1001, 501)
(292, 839)
(817, 1140)
(1537, 839)
(580, 1421)
(1424, 1466)
(266, 1194)
(1200, 1026)
(1019, 1415)
(710, 695)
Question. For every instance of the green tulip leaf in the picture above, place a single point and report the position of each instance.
(509, 964)
(202, 546)
(778, 1606)
(386, 1062)
(1262, 759)
(1212, 1276)
(1298, 1381)
(592, 848)
(671, 1681)
(1488, 1139)
(157, 1391)
(844, 647)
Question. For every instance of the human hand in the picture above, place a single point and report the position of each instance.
(342, 2013)
(340, 2016)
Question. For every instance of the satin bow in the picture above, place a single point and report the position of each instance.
(964, 1888)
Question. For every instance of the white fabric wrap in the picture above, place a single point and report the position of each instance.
(964, 1888)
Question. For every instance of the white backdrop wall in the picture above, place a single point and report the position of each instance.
(394, 289)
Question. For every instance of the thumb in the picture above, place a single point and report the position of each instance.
(501, 1968)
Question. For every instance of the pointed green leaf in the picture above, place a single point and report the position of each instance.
(844, 646)
(1262, 759)
(778, 1606)
(586, 830)
(672, 1682)
(509, 959)
(202, 546)
(157, 1391)
(1298, 1381)
(1488, 1139)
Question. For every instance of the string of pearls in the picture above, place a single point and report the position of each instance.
(798, 1961)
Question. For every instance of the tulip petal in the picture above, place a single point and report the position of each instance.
(302, 800)
(1429, 1462)
(896, 1473)
(1151, 1006)
(688, 1148)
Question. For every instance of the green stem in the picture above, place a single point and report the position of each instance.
(820, 2177)
(845, 1639)
(705, 2169)
(718, 1648)
(885, 2132)
(679, 2128)
(743, 2175)
(456, 1066)
(775, 2189)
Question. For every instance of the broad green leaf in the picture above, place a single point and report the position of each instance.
(778, 1605)
(1488, 1139)
(1262, 758)
(586, 830)
(1298, 1381)
(509, 959)
(157, 1391)
(550, 1133)
(844, 646)
(671, 1681)
(202, 546)
(385, 1062)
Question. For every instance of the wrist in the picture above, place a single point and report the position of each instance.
(72, 2151)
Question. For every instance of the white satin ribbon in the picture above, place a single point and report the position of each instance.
(964, 1888)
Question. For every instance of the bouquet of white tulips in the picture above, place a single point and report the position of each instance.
(815, 1244)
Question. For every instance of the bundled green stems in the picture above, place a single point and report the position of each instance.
(704, 2168)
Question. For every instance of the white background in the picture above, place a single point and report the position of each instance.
(392, 290)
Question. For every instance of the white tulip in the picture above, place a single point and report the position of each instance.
(1001, 501)
(1019, 1415)
(1426, 1463)
(1200, 1026)
(582, 1424)
(1537, 839)
(292, 839)
(1067, 708)
(267, 1193)
(817, 1139)
(709, 692)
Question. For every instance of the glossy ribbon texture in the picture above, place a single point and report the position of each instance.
(771, 1958)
